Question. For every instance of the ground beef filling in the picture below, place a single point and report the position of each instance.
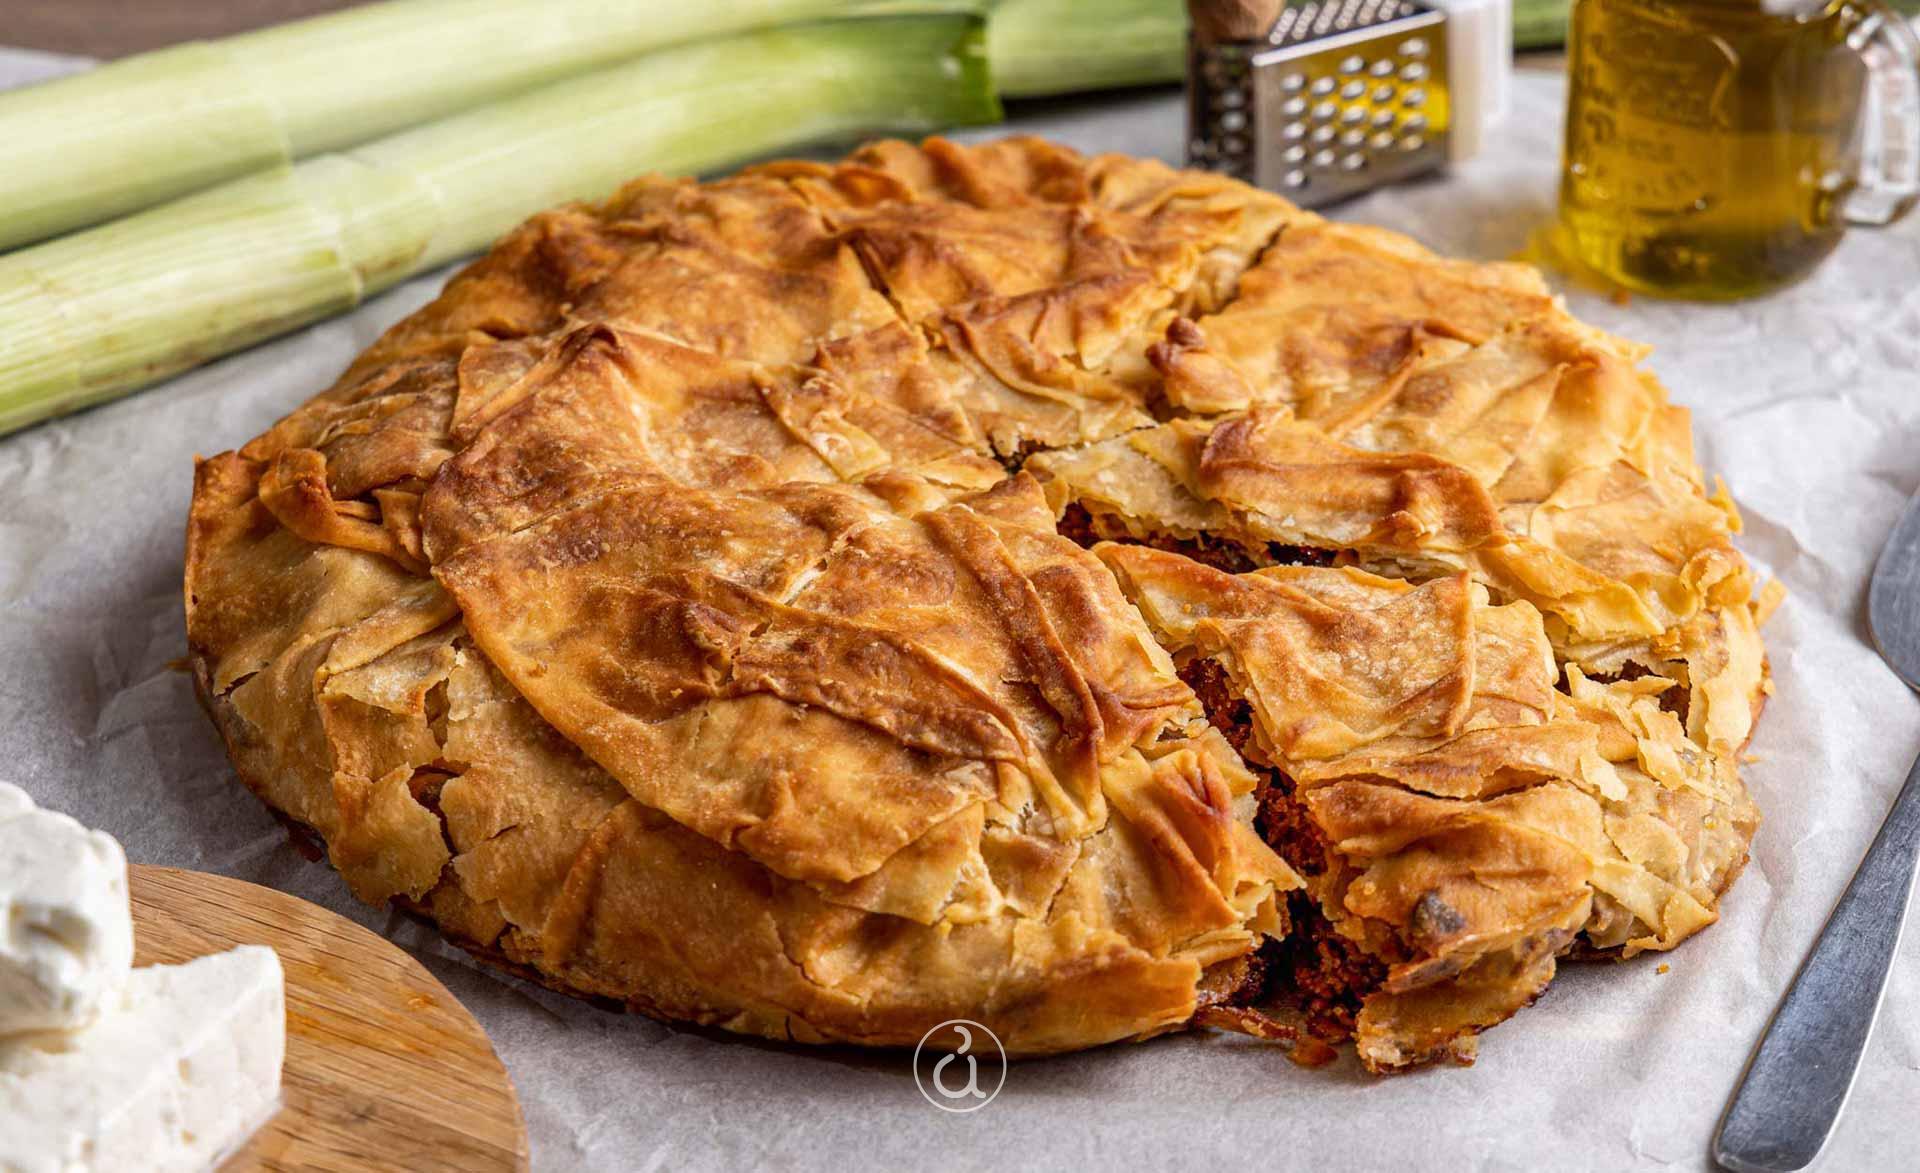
(1674, 700)
(1076, 525)
(1314, 969)
(1281, 820)
(1325, 975)
(1085, 529)
(1015, 460)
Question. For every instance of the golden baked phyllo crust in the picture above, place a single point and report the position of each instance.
(1072, 594)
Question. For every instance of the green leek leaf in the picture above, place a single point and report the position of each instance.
(133, 133)
(1041, 47)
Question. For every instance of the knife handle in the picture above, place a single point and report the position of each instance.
(1799, 1077)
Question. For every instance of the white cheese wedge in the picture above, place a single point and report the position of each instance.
(180, 1068)
(66, 929)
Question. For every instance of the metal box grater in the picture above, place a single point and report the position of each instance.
(1340, 97)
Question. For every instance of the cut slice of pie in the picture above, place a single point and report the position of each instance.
(1459, 818)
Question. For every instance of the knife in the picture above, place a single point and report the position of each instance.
(1799, 1077)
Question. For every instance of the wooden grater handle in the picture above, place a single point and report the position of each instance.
(1232, 20)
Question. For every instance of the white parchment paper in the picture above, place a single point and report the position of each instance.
(1807, 402)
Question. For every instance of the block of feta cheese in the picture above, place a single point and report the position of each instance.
(181, 1066)
(66, 929)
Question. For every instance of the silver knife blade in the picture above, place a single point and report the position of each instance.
(1798, 1079)
(1893, 601)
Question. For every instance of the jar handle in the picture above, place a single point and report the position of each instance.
(1888, 185)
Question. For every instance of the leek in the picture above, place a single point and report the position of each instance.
(1041, 47)
(97, 313)
(134, 133)
(1539, 23)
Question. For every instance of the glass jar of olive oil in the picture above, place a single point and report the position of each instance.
(1718, 148)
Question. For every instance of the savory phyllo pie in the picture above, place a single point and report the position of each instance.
(1076, 595)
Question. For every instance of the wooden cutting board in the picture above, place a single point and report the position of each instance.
(385, 1069)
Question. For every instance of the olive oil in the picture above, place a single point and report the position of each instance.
(1708, 142)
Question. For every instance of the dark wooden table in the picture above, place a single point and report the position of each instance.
(115, 28)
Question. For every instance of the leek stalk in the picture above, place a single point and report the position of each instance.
(94, 314)
(1539, 24)
(1041, 47)
(137, 132)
